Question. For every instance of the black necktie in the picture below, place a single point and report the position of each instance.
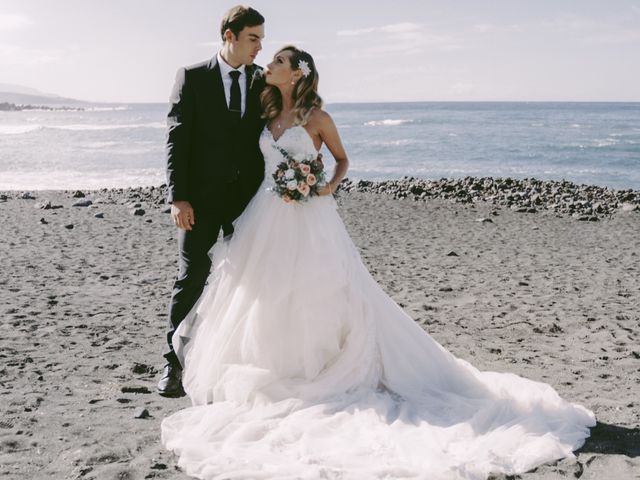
(234, 102)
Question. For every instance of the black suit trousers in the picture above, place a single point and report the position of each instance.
(194, 265)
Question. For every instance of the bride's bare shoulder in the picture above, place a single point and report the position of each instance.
(319, 118)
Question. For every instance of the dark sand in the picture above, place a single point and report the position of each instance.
(84, 312)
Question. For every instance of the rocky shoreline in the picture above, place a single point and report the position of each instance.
(12, 107)
(529, 195)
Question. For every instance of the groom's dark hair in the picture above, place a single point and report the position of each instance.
(239, 17)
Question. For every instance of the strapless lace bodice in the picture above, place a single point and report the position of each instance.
(294, 140)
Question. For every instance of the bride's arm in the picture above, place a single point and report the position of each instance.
(331, 138)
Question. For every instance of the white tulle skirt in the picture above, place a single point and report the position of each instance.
(299, 366)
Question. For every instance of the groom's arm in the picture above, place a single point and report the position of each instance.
(178, 134)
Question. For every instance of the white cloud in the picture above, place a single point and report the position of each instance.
(398, 39)
(401, 27)
(11, 55)
(622, 36)
(594, 32)
(483, 28)
(391, 28)
(13, 21)
(462, 88)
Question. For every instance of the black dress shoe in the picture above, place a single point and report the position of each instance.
(170, 385)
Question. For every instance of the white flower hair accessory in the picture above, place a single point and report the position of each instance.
(304, 66)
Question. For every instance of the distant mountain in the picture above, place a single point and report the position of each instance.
(22, 95)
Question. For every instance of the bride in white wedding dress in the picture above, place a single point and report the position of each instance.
(299, 366)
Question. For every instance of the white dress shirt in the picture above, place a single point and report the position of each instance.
(225, 68)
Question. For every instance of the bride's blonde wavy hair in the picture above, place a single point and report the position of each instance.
(305, 91)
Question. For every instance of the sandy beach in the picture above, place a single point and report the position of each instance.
(85, 291)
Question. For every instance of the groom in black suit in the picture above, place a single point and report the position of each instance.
(214, 164)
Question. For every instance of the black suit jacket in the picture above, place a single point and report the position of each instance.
(212, 161)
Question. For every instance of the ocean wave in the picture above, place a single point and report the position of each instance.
(392, 143)
(93, 127)
(22, 129)
(107, 109)
(18, 129)
(387, 122)
(77, 179)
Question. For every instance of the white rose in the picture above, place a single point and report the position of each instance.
(289, 174)
(292, 184)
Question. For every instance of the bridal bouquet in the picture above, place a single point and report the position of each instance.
(299, 177)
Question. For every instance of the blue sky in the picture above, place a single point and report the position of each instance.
(537, 50)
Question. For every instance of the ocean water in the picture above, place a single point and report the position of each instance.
(123, 145)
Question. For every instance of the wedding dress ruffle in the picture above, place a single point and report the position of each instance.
(299, 366)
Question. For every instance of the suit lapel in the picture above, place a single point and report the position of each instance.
(215, 80)
(253, 101)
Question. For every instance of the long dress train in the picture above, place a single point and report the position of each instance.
(299, 366)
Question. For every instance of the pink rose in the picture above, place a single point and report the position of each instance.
(305, 169)
(286, 198)
(280, 174)
(303, 188)
(311, 179)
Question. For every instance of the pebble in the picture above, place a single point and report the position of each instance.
(141, 413)
(82, 203)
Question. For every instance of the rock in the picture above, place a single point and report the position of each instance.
(159, 466)
(452, 254)
(82, 203)
(141, 368)
(99, 215)
(43, 221)
(138, 212)
(78, 194)
(3, 198)
(141, 413)
(44, 205)
(134, 389)
(148, 220)
(523, 284)
(167, 210)
(484, 220)
(555, 328)
(445, 289)
(27, 196)
(69, 226)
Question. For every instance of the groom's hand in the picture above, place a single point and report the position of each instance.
(182, 214)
